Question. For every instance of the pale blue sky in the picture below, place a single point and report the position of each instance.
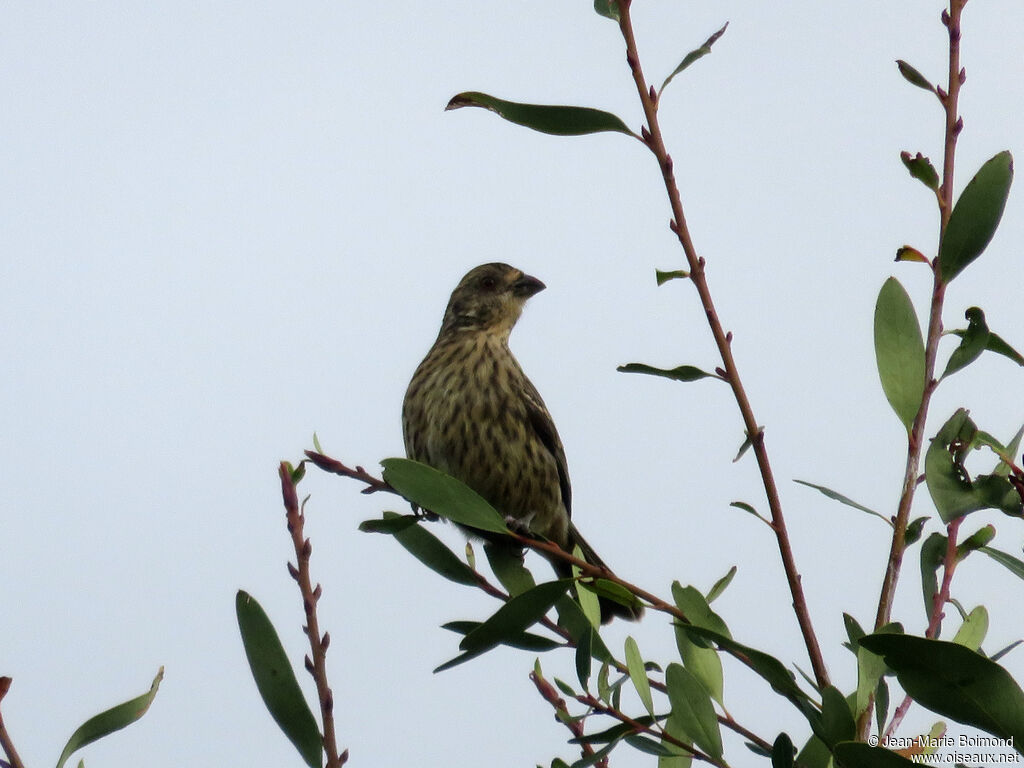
(228, 225)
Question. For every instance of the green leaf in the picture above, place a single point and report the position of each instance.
(508, 567)
(836, 720)
(607, 8)
(695, 608)
(975, 216)
(814, 754)
(113, 719)
(571, 616)
(747, 444)
(834, 495)
(1003, 470)
(768, 667)
(664, 277)
(638, 674)
(586, 593)
(650, 747)
(857, 754)
(692, 709)
(703, 663)
(976, 540)
(749, 508)
(442, 495)
(854, 631)
(914, 529)
(914, 77)
(391, 524)
(526, 641)
(693, 55)
(680, 373)
(783, 752)
(512, 618)
(584, 657)
(881, 704)
(899, 351)
(276, 681)
(719, 586)
(972, 632)
(972, 343)
(995, 344)
(1011, 563)
(933, 552)
(921, 168)
(429, 550)
(956, 682)
(870, 668)
(953, 491)
(556, 120)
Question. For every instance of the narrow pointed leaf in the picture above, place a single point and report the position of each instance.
(921, 168)
(1009, 562)
(975, 216)
(870, 668)
(390, 525)
(899, 351)
(584, 658)
(695, 608)
(680, 373)
(933, 551)
(720, 586)
(693, 55)
(996, 344)
(526, 641)
(692, 709)
(552, 119)
(834, 495)
(275, 680)
(914, 77)
(972, 343)
(431, 551)
(113, 719)
(442, 495)
(956, 682)
(508, 567)
(637, 673)
(515, 616)
(703, 663)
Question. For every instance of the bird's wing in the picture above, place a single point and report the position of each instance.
(544, 426)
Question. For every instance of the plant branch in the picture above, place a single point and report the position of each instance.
(652, 136)
(575, 726)
(953, 125)
(316, 663)
(5, 737)
(939, 600)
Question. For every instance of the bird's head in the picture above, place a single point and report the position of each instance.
(489, 298)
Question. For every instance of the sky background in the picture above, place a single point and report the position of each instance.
(228, 225)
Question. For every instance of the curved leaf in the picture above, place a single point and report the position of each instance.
(514, 617)
(975, 216)
(442, 495)
(921, 168)
(899, 351)
(914, 77)
(424, 546)
(692, 56)
(638, 674)
(972, 343)
(692, 709)
(954, 681)
(113, 719)
(680, 373)
(554, 119)
(276, 681)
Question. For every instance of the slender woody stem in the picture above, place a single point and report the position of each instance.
(5, 738)
(654, 140)
(316, 663)
(949, 99)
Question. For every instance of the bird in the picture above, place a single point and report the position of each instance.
(472, 413)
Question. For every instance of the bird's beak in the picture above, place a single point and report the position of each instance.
(527, 286)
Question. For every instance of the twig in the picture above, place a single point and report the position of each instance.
(317, 665)
(549, 694)
(5, 737)
(327, 464)
(652, 136)
(939, 600)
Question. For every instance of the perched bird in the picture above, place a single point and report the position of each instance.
(471, 413)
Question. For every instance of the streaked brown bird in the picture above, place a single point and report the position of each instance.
(471, 413)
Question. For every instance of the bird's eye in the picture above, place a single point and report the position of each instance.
(488, 283)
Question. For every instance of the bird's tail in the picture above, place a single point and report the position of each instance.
(610, 608)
